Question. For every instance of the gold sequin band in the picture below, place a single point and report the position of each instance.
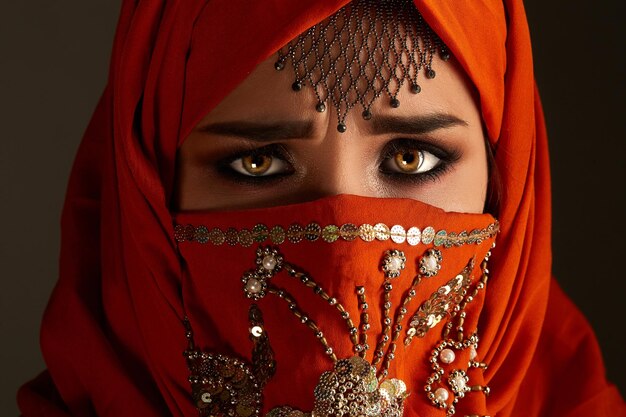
(297, 233)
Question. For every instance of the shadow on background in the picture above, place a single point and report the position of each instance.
(53, 69)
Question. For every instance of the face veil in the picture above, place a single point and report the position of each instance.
(352, 304)
(114, 329)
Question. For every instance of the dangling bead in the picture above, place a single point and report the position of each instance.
(341, 127)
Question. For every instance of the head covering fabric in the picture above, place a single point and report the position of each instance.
(112, 336)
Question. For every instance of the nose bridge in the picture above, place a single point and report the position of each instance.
(338, 166)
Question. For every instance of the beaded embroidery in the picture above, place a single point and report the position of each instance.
(366, 49)
(223, 385)
(226, 386)
(445, 391)
(297, 233)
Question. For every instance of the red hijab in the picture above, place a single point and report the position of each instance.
(111, 335)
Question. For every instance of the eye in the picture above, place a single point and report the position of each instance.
(259, 165)
(410, 161)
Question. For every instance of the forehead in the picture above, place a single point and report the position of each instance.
(372, 57)
(266, 94)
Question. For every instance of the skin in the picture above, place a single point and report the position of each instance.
(443, 122)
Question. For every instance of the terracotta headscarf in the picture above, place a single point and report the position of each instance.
(112, 335)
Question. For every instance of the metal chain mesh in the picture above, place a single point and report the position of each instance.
(367, 48)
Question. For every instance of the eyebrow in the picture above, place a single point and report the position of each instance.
(260, 131)
(415, 125)
(271, 131)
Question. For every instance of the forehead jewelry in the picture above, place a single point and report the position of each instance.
(366, 49)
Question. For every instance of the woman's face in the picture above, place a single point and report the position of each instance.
(266, 145)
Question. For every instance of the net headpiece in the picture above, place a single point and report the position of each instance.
(366, 49)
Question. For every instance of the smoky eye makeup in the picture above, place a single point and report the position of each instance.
(249, 166)
(414, 161)
(403, 160)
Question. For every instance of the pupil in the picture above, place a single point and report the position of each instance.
(257, 161)
(408, 158)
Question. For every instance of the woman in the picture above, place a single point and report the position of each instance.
(224, 158)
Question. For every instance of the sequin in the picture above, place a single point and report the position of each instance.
(451, 240)
(398, 234)
(295, 233)
(428, 234)
(277, 235)
(232, 236)
(330, 233)
(367, 233)
(217, 236)
(245, 238)
(382, 231)
(179, 233)
(474, 236)
(212, 381)
(413, 236)
(463, 238)
(202, 234)
(348, 232)
(189, 232)
(440, 238)
(438, 305)
(260, 233)
(351, 388)
(312, 232)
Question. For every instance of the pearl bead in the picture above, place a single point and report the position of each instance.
(430, 262)
(460, 383)
(395, 263)
(253, 286)
(269, 262)
(447, 356)
(473, 353)
(441, 395)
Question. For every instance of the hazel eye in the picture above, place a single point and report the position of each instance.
(259, 165)
(411, 161)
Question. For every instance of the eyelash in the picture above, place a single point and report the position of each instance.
(275, 150)
(447, 158)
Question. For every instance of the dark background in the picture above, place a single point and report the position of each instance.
(53, 65)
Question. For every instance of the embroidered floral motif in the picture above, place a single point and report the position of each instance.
(430, 263)
(226, 386)
(440, 303)
(445, 391)
(393, 263)
(352, 389)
